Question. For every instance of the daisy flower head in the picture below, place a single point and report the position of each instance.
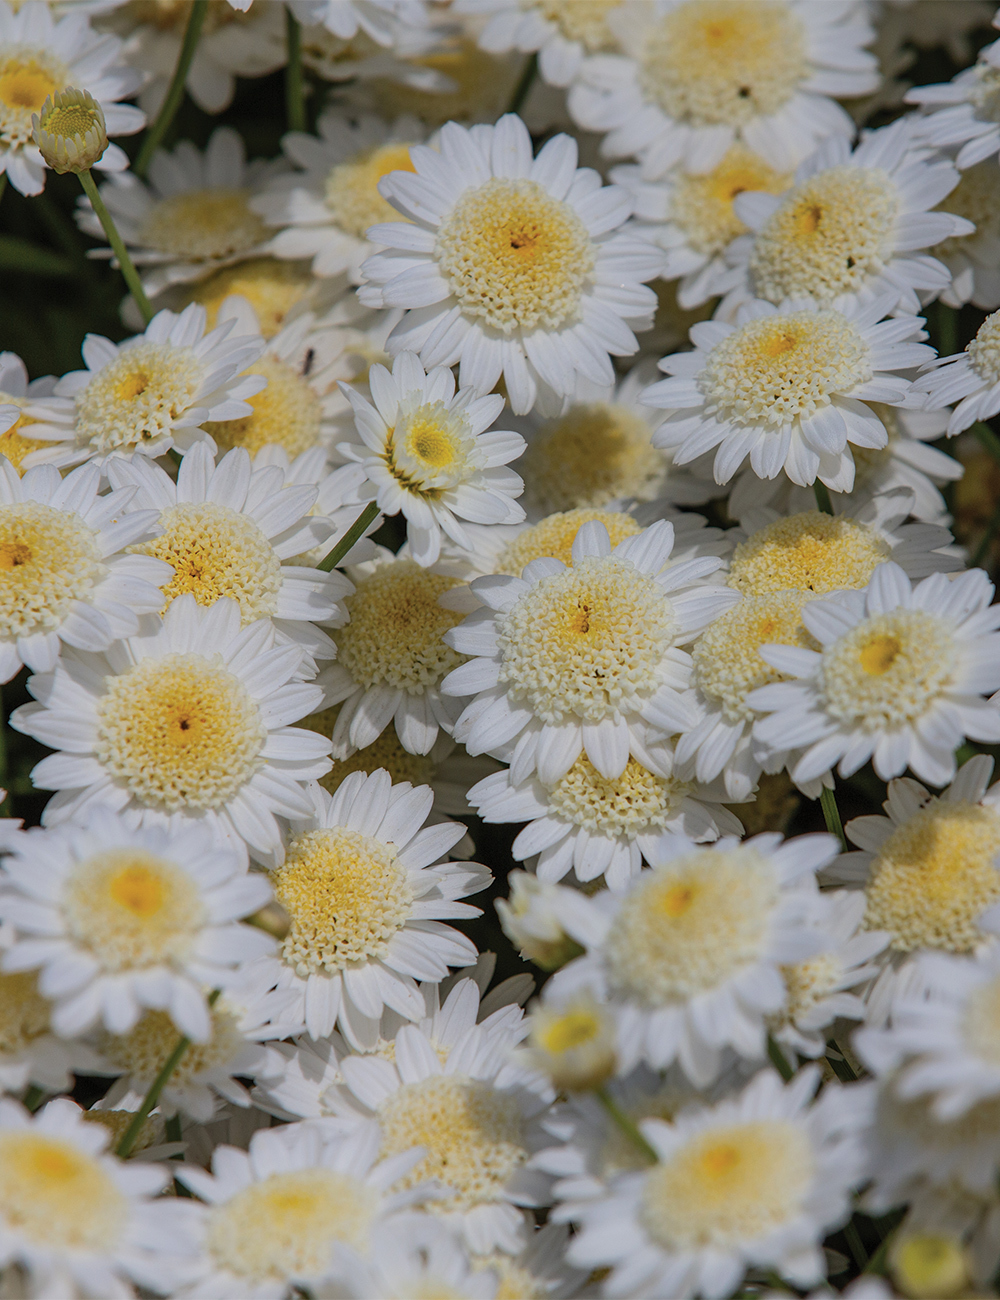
(963, 113)
(189, 717)
(561, 32)
(691, 79)
(325, 207)
(756, 1180)
(192, 217)
(690, 955)
(118, 919)
(151, 393)
(41, 55)
(970, 379)
(384, 21)
(511, 264)
(232, 531)
(898, 678)
(584, 658)
(367, 890)
(786, 385)
(279, 1213)
(65, 578)
(973, 259)
(30, 1052)
(417, 1255)
(532, 919)
(78, 1219)
(854, 224)
(429, 453)
(19, 399)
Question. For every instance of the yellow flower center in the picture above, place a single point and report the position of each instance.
(24, 1013)
(271, 287)
(930, 1265)
(27, 78)
(48, 560)
(807, 552)
(287, 413)
(145, 1049)
(586, 23)
(57, 1196)
(571, 1029)
(203, 224)
(703, 205)
(984, 350)
(385, 752)
(13, 444)
(633, 803)
(554, 536)
(138, 396)
(352, 188)
(431, 449)
(807, 983)
(482, 84)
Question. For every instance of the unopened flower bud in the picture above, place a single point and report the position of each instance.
(70, 131)
(530, 920)
(929, 1264)
(574, 1044)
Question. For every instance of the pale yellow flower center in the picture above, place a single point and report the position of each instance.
(586, 23)
(146, 1048)
(634, 803)
(554, 536)
(57, 1196)
(810, 552)
(24, 1013)
(13, 444)
(703, 205)
(138, 396)
(27, 78)
(352, 188)
(287, 413)
(49, 559)
(431, 449)
(271, 287)
(984, 350)
(385, 752)
(203, 224)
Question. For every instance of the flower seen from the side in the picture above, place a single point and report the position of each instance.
(970, 379)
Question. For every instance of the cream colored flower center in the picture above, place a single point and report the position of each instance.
(352, 188)
(385, 752)
(977, 198)
(202, 224)
(516, 257)
(130, 908)
(586, 643)
(24, 1013)
(346, 895)
(271, 287)
(703, 205)
(724, 62)
(49, 559)
(515, 1282)
(145, 1049)
(586, 23)
(981, 1022)
(287, 413)
(179, 732)
(472, 1133)
(690, 926)
(807, 552)
(554, 537)
(634, 803)
(808, 983)
(285, 1227)
(57, 1196)
(984, 94)
(727, 661)
(13, 444)
(729, 1186)
(830, 235)
(217, 552)
(27, 78)
(934, 877)
(431, 449)
(395, 634)
(138, 396)
(482, 84)
(984, 350)
(593, 455)
(889, 670)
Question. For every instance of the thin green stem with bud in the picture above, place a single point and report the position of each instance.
(353, 535)
(125, 263)
(175, 91)
(625, 1124)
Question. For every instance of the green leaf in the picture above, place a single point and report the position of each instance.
(21, 255)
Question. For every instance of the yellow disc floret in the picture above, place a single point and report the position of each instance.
(810, 552)
(934, 877)
(202, 224)
(49, 559)
(287, 413)
(515, 257)
(138, 396)
(352, 188)
(13, 444)
(346, 895)
(57, 1196)
(147, 1047)
(385, 752)
(554, 536)
(702, 205)
(179, 732)
(984, 350)
(24, 1013)
(635, 803)
(586, 23)
(27, 78)
(271, 287)
(431, 448)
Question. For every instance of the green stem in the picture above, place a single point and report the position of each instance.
(987, 539)
(778, 1059)
(627, 1126)
(856, 1245)
(295, 98)
(354, 534)
(987, 438)
(3, 184)
(839, 1063)
(524, 85)
(831, 815)
(125, 262)
(175, 91)
(131, 1134)
(33, 1098)
(823, 502)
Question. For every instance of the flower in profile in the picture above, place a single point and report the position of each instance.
(70, 132)
(963, 111)
(511, 264)
(971, 379)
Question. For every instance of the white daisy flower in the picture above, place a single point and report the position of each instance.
(757, 1180)
(541, 1269)
(429, 453)
(786, 386)
(379, 19)
(152, 392)
(970, 378)
(64, 579)
(117, 919)
(78, 1221)
(693, 78)
(963, 112)
(562, 32)
(41, 55)
(192, 217)
(973, 259)
(279, 1213)
(532, 919)
(595, 827)
(367, 890)
(898, 679)
(226, 530)
(585, 658)
(417, 1255)
(511, 265)
(30, 1053)
(18, 397)
(326, 206)
(690, 956)
(855, 224)
(191, 718)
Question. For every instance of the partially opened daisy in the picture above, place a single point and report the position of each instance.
(366, 889)
(970, 379)
(153, 392)
(189, 717)
(584, 658)
(898, 679)
(963, 112)
(511, 265)
(693, 78)
(226, 529)
(855, 224)
(40, 55)
(689, 956)
(324, 209)
(755, 1181)
(429, 453)
(562, 32)
(64, 576)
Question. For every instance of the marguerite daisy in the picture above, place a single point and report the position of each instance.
(17, 400)
(562, 32)
(381, 20)
(970, 378)
(973, 259)
(511, 265)
(30, 1053)
(416, 1255)
(963, 111)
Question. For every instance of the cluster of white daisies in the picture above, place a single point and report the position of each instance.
(660, 441)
